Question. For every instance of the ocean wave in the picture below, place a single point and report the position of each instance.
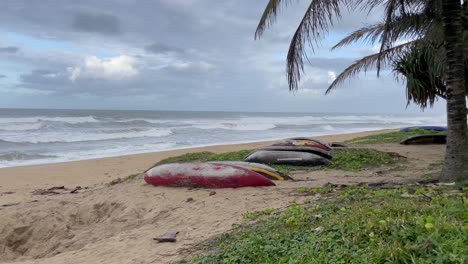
(235, 126)
(15, 155)
(70, 137)
(387, 119)
(23, 159)
(144, 120)
(38, 119)
(20, 126)
(327, 127)
(267, 123)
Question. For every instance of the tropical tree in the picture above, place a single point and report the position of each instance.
(421, 62)
(456, 157)
(420, 21)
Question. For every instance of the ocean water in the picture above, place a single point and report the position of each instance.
(30, 136)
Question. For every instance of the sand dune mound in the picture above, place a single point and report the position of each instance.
(64, 226)
(117, 224)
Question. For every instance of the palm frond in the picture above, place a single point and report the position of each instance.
(367, 34)
(385, 39)
(269, 16)
(315, 23)
(410, 26)
(423, 69)
(367, 63)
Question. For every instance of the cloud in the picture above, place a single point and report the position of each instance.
(98, 23)
(159, 48)
(331, 77)
(2, 76)
(117, 68)
(179, 54)
(9, 49)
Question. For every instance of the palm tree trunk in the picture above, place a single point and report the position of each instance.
(456, 157)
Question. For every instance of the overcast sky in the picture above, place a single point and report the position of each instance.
(176, 55)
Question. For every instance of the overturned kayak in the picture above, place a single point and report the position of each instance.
(310, 141)
(263, 169)
(313, 150)
(435, 128)
(338, 145)
(204, 175)
(425, 140)
(302, 143)
(287, 157)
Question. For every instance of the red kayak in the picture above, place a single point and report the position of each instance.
(204, 175)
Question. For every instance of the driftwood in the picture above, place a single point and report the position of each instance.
(167, 237)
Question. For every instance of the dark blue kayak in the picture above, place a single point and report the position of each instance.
(425, 140)
(435, 128)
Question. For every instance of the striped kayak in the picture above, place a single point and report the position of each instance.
(263, 169)
(313, 150)
(303, 142)
(287, 158)
(204, 175)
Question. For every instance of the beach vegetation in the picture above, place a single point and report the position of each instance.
(393, 137)
(424, 40)
(188, 157)
(249, 216)
(205, 156)
(355, 159)
(436, 165)
(347, 159)
(314, 190)
(131, 176)
(352, 225)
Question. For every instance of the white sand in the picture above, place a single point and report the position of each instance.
(117, 224)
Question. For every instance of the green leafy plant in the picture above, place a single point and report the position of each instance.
(392, 137)
(358, 226)
(352, 159)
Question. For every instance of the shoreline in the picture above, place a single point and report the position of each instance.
(117, 223)
(103, 170)
(316, 135)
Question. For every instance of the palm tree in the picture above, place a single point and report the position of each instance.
(456, 157)
(419, 20)
(421, 62)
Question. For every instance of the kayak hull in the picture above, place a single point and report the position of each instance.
(435, 128)
(287, 158)
(204, 175)
(425, 140)
(312, 150)
(306, 141)
(263, 169)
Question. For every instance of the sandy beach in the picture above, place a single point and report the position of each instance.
(103, 223)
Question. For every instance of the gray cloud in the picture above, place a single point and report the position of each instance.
(2, 76)
(189, 55)
(158, 48)
(98, 23)
(9, 49)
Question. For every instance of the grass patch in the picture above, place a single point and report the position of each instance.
(249, 216)
(436, 165)
(231, 156)
(205, 156)
(188, 157)
(314, 190)
(350, 159)
(392, 137)
(131, 176)
(357, 226)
